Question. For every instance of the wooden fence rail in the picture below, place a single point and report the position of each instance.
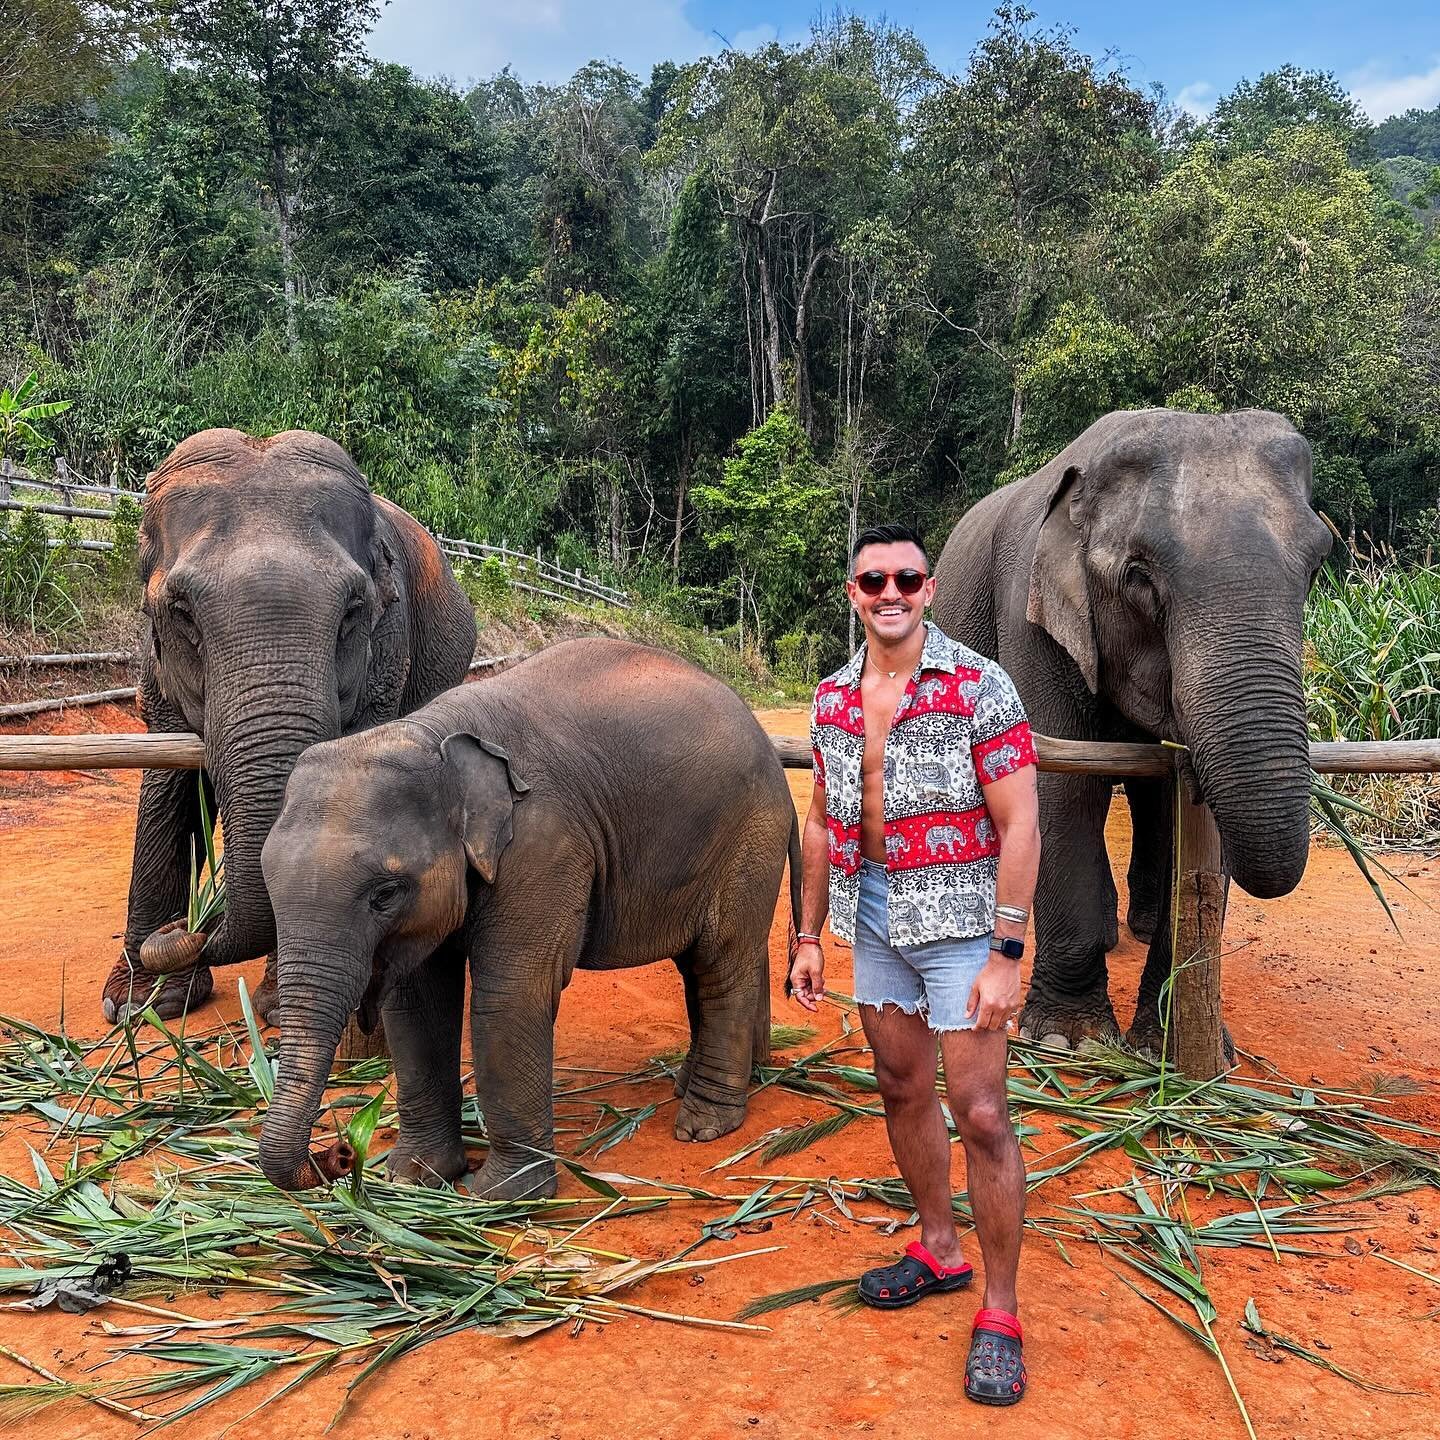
(181, 751)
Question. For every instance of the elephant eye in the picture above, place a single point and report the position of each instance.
(1137, 581)
(353, 613)
(184, 621)
(386, 894)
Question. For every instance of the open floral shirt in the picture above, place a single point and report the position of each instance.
(959, 727)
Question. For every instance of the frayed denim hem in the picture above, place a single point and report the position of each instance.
(906, 1007)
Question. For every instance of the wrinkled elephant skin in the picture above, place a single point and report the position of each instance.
(284, 604)
(1148, 584)
(602, 805)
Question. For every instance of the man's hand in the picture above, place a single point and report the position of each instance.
(807, 975)
(995, 996)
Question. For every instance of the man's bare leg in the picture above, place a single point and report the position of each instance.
(975, 1062)
(905, 1067)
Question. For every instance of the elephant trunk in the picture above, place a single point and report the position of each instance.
(1241, 711)
(318, 990)
(260, 730)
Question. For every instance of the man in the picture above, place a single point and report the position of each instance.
(923, 843)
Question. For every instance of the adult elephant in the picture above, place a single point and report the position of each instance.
(1149, 584)
(600, 806)
(285, 604)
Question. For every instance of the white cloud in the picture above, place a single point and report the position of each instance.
(1381, 94)
(1197, 100)
(544, 40)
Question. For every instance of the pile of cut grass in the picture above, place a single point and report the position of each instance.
(362, 1274)
(1259, 1163)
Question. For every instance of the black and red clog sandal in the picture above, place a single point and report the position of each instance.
(892, 1287)
(995, 1367)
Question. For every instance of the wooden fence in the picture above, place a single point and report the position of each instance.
(523, 571)
(1196, 1034)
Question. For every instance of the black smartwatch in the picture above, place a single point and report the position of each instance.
(1010, 949)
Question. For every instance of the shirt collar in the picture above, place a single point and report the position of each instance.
(938, 654)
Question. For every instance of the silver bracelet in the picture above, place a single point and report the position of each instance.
(1012, 913)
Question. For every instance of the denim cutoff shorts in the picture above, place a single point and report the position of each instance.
(933, 979)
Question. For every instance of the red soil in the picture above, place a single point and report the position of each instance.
(1317, 983)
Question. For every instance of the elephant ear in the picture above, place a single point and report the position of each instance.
(1059, 597)
(487, 788)
(382, 566)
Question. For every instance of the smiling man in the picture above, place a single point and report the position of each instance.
(923, 843)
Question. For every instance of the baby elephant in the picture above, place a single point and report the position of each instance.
(601, 805)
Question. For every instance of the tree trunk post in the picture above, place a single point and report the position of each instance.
(1197, 1047)
(355, 1044)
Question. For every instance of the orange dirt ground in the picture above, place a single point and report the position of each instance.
(1316, 983)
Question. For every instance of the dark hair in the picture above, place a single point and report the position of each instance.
(892, 534)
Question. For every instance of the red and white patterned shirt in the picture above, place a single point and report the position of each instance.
(959, 727)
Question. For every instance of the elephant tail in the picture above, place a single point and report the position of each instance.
(795, 878)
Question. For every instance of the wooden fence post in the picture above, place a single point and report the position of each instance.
(7, 468)
(355, 1044)
(1196, 1038)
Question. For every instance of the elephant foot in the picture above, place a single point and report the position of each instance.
(266, 999)
(705, 1120)
(127, 990)
(1064, 1021)
(1143, 919)
(682, 1078)
(1147, 1034)
(499, 1179)
(426, 1164)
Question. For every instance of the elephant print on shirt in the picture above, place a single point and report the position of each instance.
(1001, 761)
(931, 773)
(958, 709)
(946, 838)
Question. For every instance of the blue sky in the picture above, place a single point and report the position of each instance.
(1386, 51)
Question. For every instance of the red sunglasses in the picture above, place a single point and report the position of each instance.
(907, 582)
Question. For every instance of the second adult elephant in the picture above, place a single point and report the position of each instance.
(601, 805)
(1149, 584)
(285, 604)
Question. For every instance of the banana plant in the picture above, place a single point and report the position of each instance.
(19, 414)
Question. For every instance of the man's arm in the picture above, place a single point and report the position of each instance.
(807, 973)
(1014, 808)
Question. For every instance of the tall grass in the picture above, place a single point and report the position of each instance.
(1372, 672)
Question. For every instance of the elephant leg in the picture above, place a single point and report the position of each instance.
(683, 963)
(760, 1037)
(1151, 819)
(728, 965)
(521, 957)
(423, 1015)
(1069, 999)
(166, 826)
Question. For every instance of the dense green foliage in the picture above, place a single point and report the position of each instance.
(693, 330)
(1372, 672)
